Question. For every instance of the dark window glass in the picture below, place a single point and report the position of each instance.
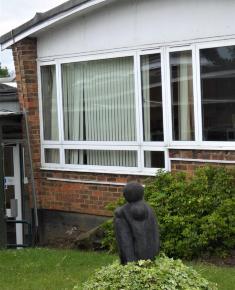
(152, 97)
(182, 96)
(154, 159)
(218, 93)
(8, 161)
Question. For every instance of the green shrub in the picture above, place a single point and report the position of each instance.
(163, 273)
(195, 214)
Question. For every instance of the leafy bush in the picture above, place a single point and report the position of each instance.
(195, 214)
(163, 273)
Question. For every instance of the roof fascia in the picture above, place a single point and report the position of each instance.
(50, 21)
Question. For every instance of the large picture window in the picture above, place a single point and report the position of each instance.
(99, 100)
(122, 112)
(99, 108)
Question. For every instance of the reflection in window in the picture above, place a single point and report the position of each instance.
(154, 159)
(152, 97)
(182, 96)
(49, 102)
(101, 157)
(218, 93)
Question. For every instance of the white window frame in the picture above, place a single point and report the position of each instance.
(169, 95)
(139, 145)
(199, 143)
(213, 44)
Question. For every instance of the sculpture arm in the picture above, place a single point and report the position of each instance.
(124, 238)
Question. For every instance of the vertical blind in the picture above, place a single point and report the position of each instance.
(101, 157)
(99, 104)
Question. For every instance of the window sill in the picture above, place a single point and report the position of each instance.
(147, 172)
(204, 146)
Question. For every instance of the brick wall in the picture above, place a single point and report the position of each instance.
(77, 196)
(24, 55)
(81, 197)
(187, 165)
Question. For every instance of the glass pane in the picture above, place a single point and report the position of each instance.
(99, 100)
(49, 102)
(218, 93)
(152, 97)
(154, 159)
(9, 194)
(12, 131)
(101, 157)
(182, 96)
(8, 161)
(52, 155)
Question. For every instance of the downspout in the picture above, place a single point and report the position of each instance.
(29, 152)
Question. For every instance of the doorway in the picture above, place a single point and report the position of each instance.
(13, 194)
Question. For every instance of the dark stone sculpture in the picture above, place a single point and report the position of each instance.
(136, 227)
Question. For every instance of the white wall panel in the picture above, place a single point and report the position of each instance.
(128, 23)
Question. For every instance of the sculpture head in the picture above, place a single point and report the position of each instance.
(133, 192)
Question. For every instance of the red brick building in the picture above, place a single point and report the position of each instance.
(116, 90)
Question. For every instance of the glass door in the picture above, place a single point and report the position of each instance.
(13, 196)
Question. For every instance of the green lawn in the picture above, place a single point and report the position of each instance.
(44, 269)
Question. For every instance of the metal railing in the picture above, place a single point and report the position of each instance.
(23, 222)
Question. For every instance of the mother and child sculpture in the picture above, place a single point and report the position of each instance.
(136, 227)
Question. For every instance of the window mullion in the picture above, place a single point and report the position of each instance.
(166, 97)
(197, 97)
(139, 115)
(40, 112)
(60, 109)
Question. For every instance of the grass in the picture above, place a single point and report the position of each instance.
(223, 276)
(44, 269)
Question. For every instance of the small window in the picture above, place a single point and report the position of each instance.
(154, 159)
(49, 102)
(52, 155)
(218, 93)
(182, 96)
(101, 157)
